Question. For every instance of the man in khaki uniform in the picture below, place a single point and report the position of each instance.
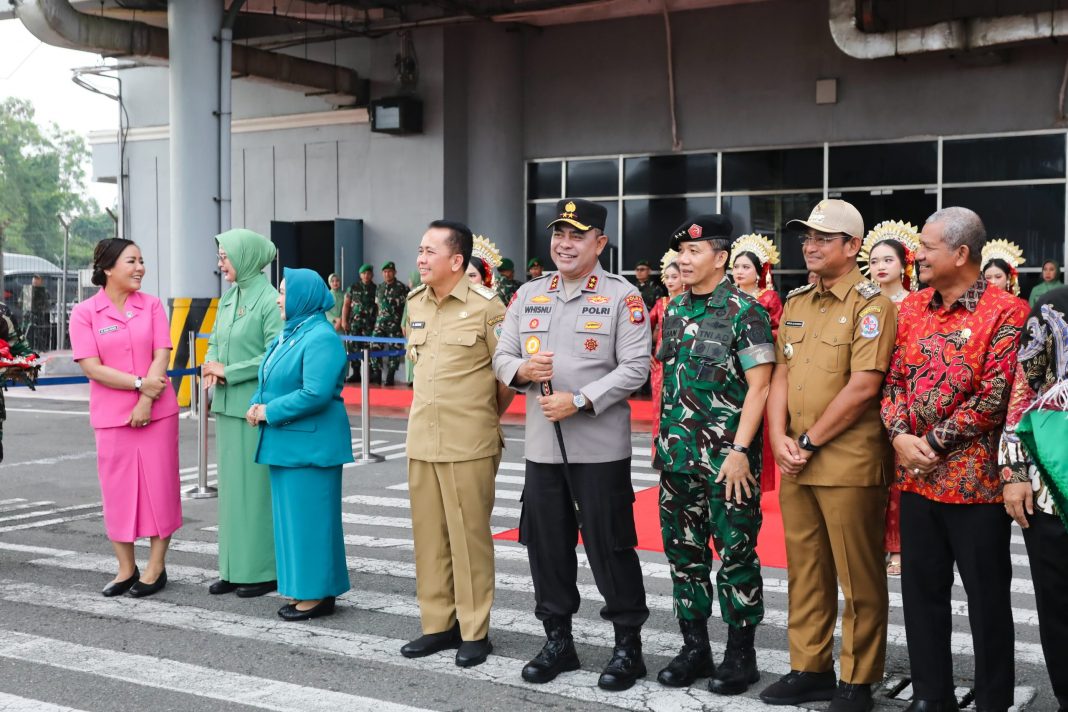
(454, 446)
(833, 349)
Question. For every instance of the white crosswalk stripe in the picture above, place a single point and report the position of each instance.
(13, 703)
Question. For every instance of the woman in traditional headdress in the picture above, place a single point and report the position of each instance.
(1001, 262)
(888, 257)
(672, 279)
(485, 257)
(752, 257)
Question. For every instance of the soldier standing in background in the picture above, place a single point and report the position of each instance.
(717, 352)
(390, 299)
(40, 323)
(358, 317)
(650, 289)
(534, 268)
(507, 285)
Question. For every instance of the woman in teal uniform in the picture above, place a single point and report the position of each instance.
(246, 323)
(305, 440)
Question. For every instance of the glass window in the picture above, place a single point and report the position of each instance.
(1032, 216)
(670, 175)
(586, 179)
(883, 164)
(543, 180)
(648, 225)
(773, 170)
(768, 215)
(912, 206)
(1006, 158)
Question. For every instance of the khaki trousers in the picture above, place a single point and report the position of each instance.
(454, 577)
(834, 536)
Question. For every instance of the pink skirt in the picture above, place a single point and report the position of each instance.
(138, 470)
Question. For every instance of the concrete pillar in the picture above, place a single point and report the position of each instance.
(194, 145)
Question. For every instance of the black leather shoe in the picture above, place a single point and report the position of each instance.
(473, 652)
(433, 643)
(626, 665)
(852, 698)
(140, 589)
(947, 705)
(221, 586)
(739, 669)
(556, 656)
(291, 613)
(695, 658)
(796, 687)
(120, 587)
(251, 590)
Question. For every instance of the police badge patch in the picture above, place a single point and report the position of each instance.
(636, 308)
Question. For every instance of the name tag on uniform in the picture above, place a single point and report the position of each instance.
(795, 323)
(108, 329)
(418, 324)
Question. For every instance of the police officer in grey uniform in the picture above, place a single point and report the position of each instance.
(584, 331)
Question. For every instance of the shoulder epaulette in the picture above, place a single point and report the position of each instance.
(416, 291)
(868, 289)
(484, 292)
(800, 290)
(617, 277)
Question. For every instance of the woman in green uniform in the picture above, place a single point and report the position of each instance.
(247, 322)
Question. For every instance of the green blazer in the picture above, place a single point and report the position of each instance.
(246, 324)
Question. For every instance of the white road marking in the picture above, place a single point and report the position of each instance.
(46, 512)
(175, 676)
(12, 703)
(24, 505)
(52, 460)
(49, 522)
(47, 412)
(12, 500)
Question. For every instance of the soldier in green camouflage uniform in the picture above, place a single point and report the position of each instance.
(717, 354)
(651, 289)
(507, 285)
(390, 299)
(358, 316)
(16, 341)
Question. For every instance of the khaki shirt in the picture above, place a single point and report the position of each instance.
(824, 336)
(600, 340)
(454, 407)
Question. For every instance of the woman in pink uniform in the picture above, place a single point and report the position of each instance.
(121, 340)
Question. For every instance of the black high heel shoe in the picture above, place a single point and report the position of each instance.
(140, 590)
(291, 613)
(117, 588)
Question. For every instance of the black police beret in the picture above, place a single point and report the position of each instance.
(702, 227)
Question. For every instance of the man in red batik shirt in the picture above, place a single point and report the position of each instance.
(944, 404)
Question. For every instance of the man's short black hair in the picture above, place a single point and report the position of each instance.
(460, 239)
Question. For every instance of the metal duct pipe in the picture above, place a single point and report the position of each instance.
(57, 23)
(950, 36)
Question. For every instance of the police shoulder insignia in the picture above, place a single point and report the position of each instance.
(800, 290)
(554, 283)
(635, 308)
(591, 283)
(868, 289)
(484, 292)
(416, 291)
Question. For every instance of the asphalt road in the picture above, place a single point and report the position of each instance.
(63, 646)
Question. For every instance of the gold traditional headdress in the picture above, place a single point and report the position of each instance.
(669, 257)
(487, 251)
(1012, 254)
(900, 232)
(763, 248)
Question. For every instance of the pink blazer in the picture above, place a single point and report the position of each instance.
(124, 342)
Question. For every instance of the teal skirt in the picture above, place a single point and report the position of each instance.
(309, 543)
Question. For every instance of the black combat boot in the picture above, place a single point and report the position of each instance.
(695, 658)
(558, 654)
(626, 665)
(738, 670)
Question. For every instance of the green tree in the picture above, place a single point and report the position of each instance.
(42, 174)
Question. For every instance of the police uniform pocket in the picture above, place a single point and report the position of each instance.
(833, 350)
(624, 535)
(593, 336)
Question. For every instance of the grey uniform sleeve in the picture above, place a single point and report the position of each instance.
(508, 356)
(633, 344)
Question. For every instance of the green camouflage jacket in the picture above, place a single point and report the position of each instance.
(507, 288)
(707, 346)
(390, 300)
(362, 310)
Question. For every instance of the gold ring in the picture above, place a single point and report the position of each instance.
(915, 470)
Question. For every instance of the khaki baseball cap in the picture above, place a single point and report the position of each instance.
(833, 216)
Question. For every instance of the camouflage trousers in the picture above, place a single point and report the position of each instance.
(362, 328)
(389, 364)
(693, 510)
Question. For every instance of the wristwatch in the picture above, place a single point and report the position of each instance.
(579, 401)
(805, 442)
(740, 448)
(138, 382)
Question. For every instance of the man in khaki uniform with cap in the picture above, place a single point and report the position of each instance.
(833, 349)
(454, 446)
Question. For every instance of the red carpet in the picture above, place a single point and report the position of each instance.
(771, 546)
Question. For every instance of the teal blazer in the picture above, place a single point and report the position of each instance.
(307, 425)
